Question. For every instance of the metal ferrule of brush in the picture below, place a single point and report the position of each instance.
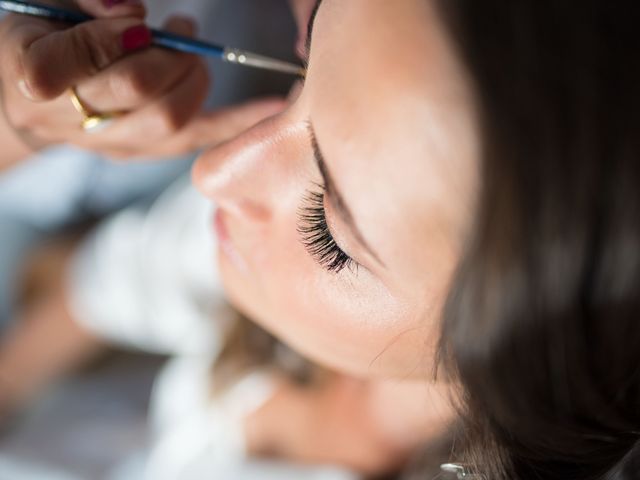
(242, 57)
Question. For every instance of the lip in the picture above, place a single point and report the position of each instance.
(225, 242)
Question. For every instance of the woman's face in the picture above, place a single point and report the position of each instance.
(342, 218)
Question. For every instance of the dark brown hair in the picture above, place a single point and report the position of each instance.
(542, 327)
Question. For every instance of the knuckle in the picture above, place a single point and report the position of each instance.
(92, 53)
(37, 77)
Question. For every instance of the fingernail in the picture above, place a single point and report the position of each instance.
(136, 38)
(25, 90)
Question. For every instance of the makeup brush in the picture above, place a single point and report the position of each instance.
(161, 38)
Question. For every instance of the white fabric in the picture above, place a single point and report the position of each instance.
(146, 279)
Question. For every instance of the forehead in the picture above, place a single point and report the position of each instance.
(392, 113)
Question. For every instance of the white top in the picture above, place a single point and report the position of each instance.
(147, 280)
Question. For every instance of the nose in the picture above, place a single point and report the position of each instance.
(251, 174)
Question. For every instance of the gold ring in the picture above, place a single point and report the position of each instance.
(92, 122)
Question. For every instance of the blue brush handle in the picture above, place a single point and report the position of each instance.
(186, 44)
(43, 11)
(160, 38)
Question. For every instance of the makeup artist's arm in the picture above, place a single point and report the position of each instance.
(45, 342)
(109, 63)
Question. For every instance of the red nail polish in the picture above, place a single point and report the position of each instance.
(136, 38)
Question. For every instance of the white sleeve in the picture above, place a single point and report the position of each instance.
(146, 278)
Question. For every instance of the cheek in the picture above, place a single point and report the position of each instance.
(348, 322)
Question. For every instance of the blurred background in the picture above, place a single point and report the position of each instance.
(90, 425)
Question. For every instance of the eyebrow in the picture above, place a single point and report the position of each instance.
(335, 197)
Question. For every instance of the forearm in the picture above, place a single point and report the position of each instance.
(45, 344)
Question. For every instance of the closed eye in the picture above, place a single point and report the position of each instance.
(316, 236)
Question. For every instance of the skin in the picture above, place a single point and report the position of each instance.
(161, 92)
(394, 120)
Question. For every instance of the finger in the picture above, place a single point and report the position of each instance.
(113, 8)
(209, 129)
(167, 115)
(181, 25)
(141, 77)
(49, 64)
(18, 31)
(216, 127)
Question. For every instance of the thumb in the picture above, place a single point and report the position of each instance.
(216, 127)
(52, 63)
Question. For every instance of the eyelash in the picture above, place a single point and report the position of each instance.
(317, 238)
